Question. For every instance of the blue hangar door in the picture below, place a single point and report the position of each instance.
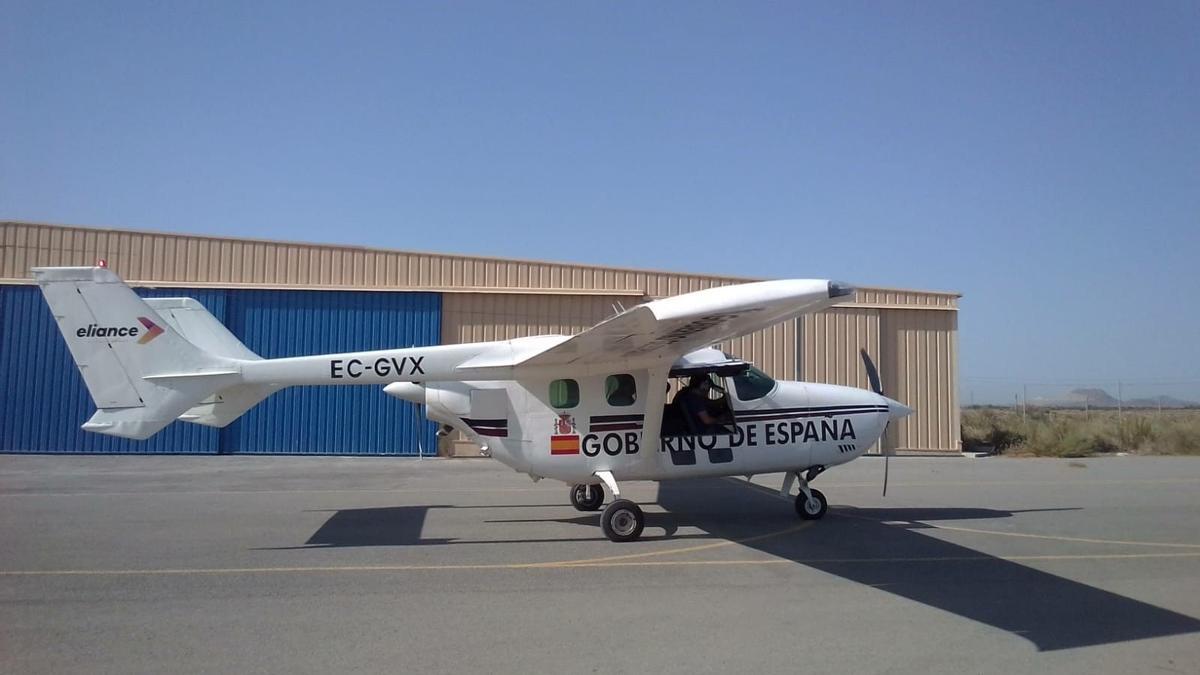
(43, 400)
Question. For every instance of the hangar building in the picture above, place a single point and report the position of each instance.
(289, 299)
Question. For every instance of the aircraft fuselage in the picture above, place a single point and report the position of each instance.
(795, 426)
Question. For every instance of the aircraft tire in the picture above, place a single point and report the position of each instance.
(587, 497)
(805, 509)
(622, 520)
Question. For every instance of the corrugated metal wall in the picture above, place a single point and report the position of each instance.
(150, 256)
(920, 368)
(200, 261)
(830, 343)
(477, 317)
(470, 317)
(894, 298)
(916, 351)
(332, 420)
(44, 401)
(487, 298)
(772, 349)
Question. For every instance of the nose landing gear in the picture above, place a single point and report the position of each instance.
(587, 497)
(810, 504)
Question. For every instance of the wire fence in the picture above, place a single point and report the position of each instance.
(1082, 394)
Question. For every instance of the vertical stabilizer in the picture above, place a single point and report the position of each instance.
(140, 371)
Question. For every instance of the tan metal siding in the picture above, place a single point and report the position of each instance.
(913, 333)
(905, 298)
(920, 369)
(773, 349)
(829, 346)
(474, 317)
(830, 341)
(190, 259)
(471, 317)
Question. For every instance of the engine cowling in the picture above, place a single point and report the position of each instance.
(445, 402)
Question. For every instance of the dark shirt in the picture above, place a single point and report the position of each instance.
(693, 403)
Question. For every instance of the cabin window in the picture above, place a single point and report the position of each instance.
(620, 390)
(753, 384)
(564, 394)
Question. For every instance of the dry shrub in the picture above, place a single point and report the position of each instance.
(1075, 433)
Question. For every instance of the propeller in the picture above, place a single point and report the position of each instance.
(873, 378)
(872, 372)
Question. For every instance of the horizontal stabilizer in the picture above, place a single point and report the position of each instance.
(160, 410)
(222, 408)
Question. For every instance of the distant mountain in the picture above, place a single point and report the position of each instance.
(1161, 402)
(1099, 398)
(1096, 398)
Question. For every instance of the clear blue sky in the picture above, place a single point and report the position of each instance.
(1041, 158)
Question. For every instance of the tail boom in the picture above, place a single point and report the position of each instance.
(147, 363)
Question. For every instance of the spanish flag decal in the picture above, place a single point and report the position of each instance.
(564, 445)
(565, 437)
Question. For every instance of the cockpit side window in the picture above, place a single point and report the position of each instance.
(620, 390)
(753, 384)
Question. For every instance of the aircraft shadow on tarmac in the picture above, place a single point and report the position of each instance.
(404, 526)
(387, 526)
(855, 544)
(883, 548)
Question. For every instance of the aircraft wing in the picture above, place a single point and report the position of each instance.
(668, 328)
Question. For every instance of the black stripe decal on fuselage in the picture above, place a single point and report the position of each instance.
(490, 427)
(785, 414)
(603, 423)
(615, 426)
(599, 419)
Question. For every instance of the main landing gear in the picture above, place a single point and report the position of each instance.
(810, 503)
(622, 520)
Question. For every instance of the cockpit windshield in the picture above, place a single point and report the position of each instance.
(753, 384)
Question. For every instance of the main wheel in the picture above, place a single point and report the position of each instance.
(622, 521)
(587, 497)
(811, 509)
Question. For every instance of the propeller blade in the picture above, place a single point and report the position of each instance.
(872, 372)
(896, 410)
(886, 456)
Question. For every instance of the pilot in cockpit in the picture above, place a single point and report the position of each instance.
(702, 414)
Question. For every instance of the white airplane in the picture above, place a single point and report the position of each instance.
(573, 408)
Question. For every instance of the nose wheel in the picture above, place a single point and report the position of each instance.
(811, 506)
(587, 497)
(810, 503)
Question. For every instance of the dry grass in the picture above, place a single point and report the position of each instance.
(1075, 433)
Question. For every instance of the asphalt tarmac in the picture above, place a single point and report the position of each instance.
(128, 564)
